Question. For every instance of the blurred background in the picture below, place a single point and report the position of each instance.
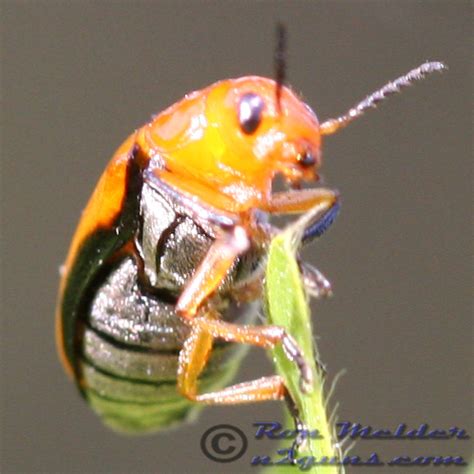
(78, 77)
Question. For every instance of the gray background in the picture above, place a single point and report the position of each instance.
(78, 77)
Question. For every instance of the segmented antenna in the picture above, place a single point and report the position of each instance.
(280, 62)
(371, 101)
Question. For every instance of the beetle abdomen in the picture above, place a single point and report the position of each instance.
(120, 311)
(129, 358)
(145, 398)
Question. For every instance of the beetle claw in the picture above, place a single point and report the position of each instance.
(294, 353)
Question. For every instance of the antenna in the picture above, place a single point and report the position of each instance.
(280, 61)
(370, 102)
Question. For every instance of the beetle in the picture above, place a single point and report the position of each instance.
(167, 258)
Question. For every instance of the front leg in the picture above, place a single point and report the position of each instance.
(327, 203)
(304, 200)
(289, 202)
(315, 283)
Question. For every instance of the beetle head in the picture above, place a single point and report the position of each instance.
(262, 138)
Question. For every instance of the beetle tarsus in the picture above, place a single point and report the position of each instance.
(301, 429)
(294, 353)
(315, 283)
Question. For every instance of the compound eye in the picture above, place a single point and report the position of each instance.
(306, 159)
(250, 112)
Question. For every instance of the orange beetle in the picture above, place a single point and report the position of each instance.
(168, 252)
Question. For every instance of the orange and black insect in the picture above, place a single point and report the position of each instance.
(166, 261)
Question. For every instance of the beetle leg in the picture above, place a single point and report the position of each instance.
(317, 226)
(192, 360)
(300, 441)
(262, 336)
(321, 222)
(258, 390)
(300, 201)
(316, 284)
(212, 270)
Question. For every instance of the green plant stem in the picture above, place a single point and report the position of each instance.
(287, 306)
